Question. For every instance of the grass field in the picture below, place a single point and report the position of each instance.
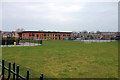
(68, 59)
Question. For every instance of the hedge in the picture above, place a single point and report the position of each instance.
(9, 41)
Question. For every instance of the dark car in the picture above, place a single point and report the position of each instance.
(117, 38)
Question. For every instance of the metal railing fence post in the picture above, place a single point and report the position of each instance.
(3, 69)
(9, 70)
(17, 76)
(41, 76)
(14, 71)
(27, 74)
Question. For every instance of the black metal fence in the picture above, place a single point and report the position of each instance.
(24, 43)
(15, 72)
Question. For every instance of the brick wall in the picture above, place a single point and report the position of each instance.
(55, 36)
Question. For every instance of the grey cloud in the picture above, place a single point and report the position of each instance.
(69, 16)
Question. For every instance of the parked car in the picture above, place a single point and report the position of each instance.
(117, 37)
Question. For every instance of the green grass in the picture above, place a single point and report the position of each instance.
(68, 59)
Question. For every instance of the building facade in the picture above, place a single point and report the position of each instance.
(109, 35)
(34, 35)
(10, 35)
(101, 35)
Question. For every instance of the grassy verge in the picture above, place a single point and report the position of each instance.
(67, 59)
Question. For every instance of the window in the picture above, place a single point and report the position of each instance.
(29, 34)
(68, 35)
(64, 35)
(37, 36)
(32, 34)
(40, 36)
(55, 34)
(44, 34)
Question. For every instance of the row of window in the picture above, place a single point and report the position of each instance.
(55, 38)
(97, 36)
(49, 38)
(47, 35)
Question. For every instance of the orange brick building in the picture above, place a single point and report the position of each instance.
(34, 35)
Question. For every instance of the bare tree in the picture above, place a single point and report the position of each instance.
(85, 31)
(20, 29)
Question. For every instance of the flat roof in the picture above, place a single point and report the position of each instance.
(43, 32)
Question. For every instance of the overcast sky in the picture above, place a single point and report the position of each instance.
(61, 16)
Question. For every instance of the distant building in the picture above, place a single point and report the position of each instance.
(34, 35)
(55, 35)
(10, 35)
(0, 34)
(101, 35)
(108, 35)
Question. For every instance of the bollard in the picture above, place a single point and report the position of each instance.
(14, 43)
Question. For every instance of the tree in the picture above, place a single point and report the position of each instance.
(85, 31)
(98, 32)
(92, 32)
(20, 29)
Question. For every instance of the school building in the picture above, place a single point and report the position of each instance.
(34, 35)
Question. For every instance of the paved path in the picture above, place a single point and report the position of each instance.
(96, 40)
(21, 44)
